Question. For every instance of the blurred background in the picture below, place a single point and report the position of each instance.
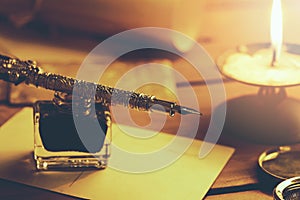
(60, 33)
(247, 19)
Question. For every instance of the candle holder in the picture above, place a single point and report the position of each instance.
(270, 116)
(263, 117)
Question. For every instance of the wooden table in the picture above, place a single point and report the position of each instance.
(238, 180)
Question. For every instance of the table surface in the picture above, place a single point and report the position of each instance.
(238, 180)
(227, 24)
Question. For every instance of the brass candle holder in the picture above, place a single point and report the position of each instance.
(270, 116)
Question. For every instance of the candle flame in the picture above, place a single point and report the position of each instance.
(276, 29)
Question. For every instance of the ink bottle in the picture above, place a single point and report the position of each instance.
(57, 142)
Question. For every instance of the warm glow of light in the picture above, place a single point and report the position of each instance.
(183, 44)
(187, 19)
(276, 27)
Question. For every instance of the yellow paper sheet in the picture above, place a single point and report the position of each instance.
(187, 178)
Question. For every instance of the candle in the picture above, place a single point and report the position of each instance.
(257, 69)
(273, 66)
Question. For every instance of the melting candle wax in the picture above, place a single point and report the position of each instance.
(256, 69)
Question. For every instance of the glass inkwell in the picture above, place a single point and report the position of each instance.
(58, 144)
